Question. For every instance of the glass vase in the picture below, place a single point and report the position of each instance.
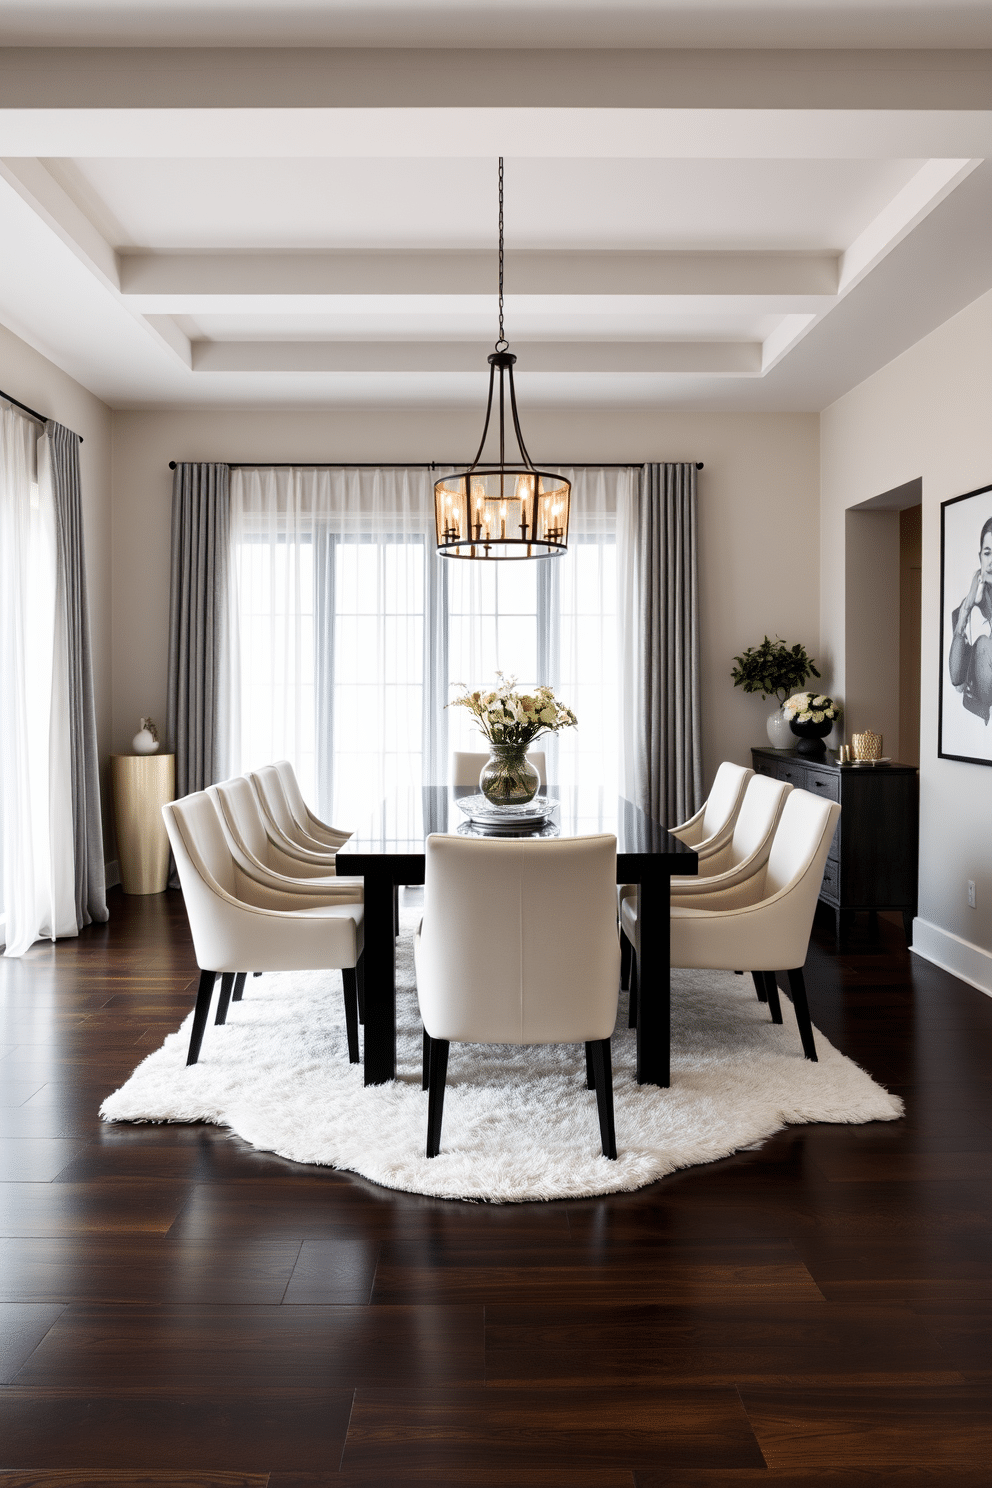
(508, 778)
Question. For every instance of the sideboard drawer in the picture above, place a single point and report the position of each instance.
(822, 783)
(831, 880)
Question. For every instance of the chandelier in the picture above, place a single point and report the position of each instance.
(498, 510)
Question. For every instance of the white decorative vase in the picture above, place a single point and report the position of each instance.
(144, 742)
(780, 735)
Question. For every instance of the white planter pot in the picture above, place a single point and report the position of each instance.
(780, 735)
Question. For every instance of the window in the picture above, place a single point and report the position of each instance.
(348, 635)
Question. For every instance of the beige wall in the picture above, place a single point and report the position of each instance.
(927, 414)
(28, 376)
(758, 521)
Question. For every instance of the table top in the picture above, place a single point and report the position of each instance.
(398, 827)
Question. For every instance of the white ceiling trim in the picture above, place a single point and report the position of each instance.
(527, 133)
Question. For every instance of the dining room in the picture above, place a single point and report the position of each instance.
(495, 893)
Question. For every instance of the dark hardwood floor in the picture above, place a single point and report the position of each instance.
(178, 1309)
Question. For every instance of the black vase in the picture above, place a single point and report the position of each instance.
(810, 737)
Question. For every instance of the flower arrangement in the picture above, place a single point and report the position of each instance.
(807, 707)
(511, 720)
(773, 668)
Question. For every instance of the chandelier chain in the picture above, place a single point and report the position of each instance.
(502, 342)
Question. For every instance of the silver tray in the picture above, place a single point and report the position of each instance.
(506, 818)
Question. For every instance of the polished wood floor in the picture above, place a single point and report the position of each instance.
(178, 1309)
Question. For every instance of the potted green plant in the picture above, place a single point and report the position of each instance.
(776, 670)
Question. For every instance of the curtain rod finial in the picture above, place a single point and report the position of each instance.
(699, 464)
(172, 464)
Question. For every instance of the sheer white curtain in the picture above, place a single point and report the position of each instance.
(37, 895)
(333, 600)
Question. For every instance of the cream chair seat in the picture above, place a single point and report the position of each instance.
(518, 945)
(281, 819)
(763, 924)
(239, 925)
(467, 764)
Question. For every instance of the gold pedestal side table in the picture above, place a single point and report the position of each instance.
(142, 784)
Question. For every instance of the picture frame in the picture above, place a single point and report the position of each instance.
(964, 714)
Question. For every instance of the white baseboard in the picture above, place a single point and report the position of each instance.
(962, 959)
(112, 872)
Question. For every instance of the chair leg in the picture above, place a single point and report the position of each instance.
(204, 992)
(758, 978)
(632, 1003)
(590, 1069)
(350, 980)
(797, 986)
(603, 1066)
(625, 953)
(771, 990)
(435, 1099)
(239, 986)
(425, 1073)
(224, 1000)
(360, 968)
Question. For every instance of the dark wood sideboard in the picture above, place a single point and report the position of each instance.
(874, 856)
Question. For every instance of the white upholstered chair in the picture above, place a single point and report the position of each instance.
(270, 788)
(738, 860)
(467, 765)
(747, 849)
(713, 824)
(260, 844)
(518, 945)
(763, 924)
(239, 925)
(326, 835)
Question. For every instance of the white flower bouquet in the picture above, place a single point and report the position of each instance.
(512, 720)
(809, 707)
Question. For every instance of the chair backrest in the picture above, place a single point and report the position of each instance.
(759, 813)
(466, 765)
(268, 782)
(804, 833)
(204, 864)
(519, 940)
(236, 799)
(725, 798)
(291, 789)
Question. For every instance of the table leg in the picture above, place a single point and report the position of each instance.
(380, 980)
(654, 1001)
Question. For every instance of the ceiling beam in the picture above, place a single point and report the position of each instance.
(730, 358)
(410, 77)
(174, 282)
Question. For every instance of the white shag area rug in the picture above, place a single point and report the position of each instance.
(519, 1123)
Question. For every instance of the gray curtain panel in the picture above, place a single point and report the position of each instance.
(87, 826)
(201, 523)
(664, 669)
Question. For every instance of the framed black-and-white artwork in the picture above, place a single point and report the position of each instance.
(964, 727)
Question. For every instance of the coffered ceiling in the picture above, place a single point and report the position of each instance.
(696, 228)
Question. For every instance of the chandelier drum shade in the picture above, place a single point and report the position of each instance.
(501, 511)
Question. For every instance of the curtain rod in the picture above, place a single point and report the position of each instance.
(32, 411)
(407, 465)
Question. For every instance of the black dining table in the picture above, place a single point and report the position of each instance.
(387, 850)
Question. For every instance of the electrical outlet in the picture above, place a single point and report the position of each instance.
(971, 893)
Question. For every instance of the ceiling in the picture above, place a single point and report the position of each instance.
(686, 227)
